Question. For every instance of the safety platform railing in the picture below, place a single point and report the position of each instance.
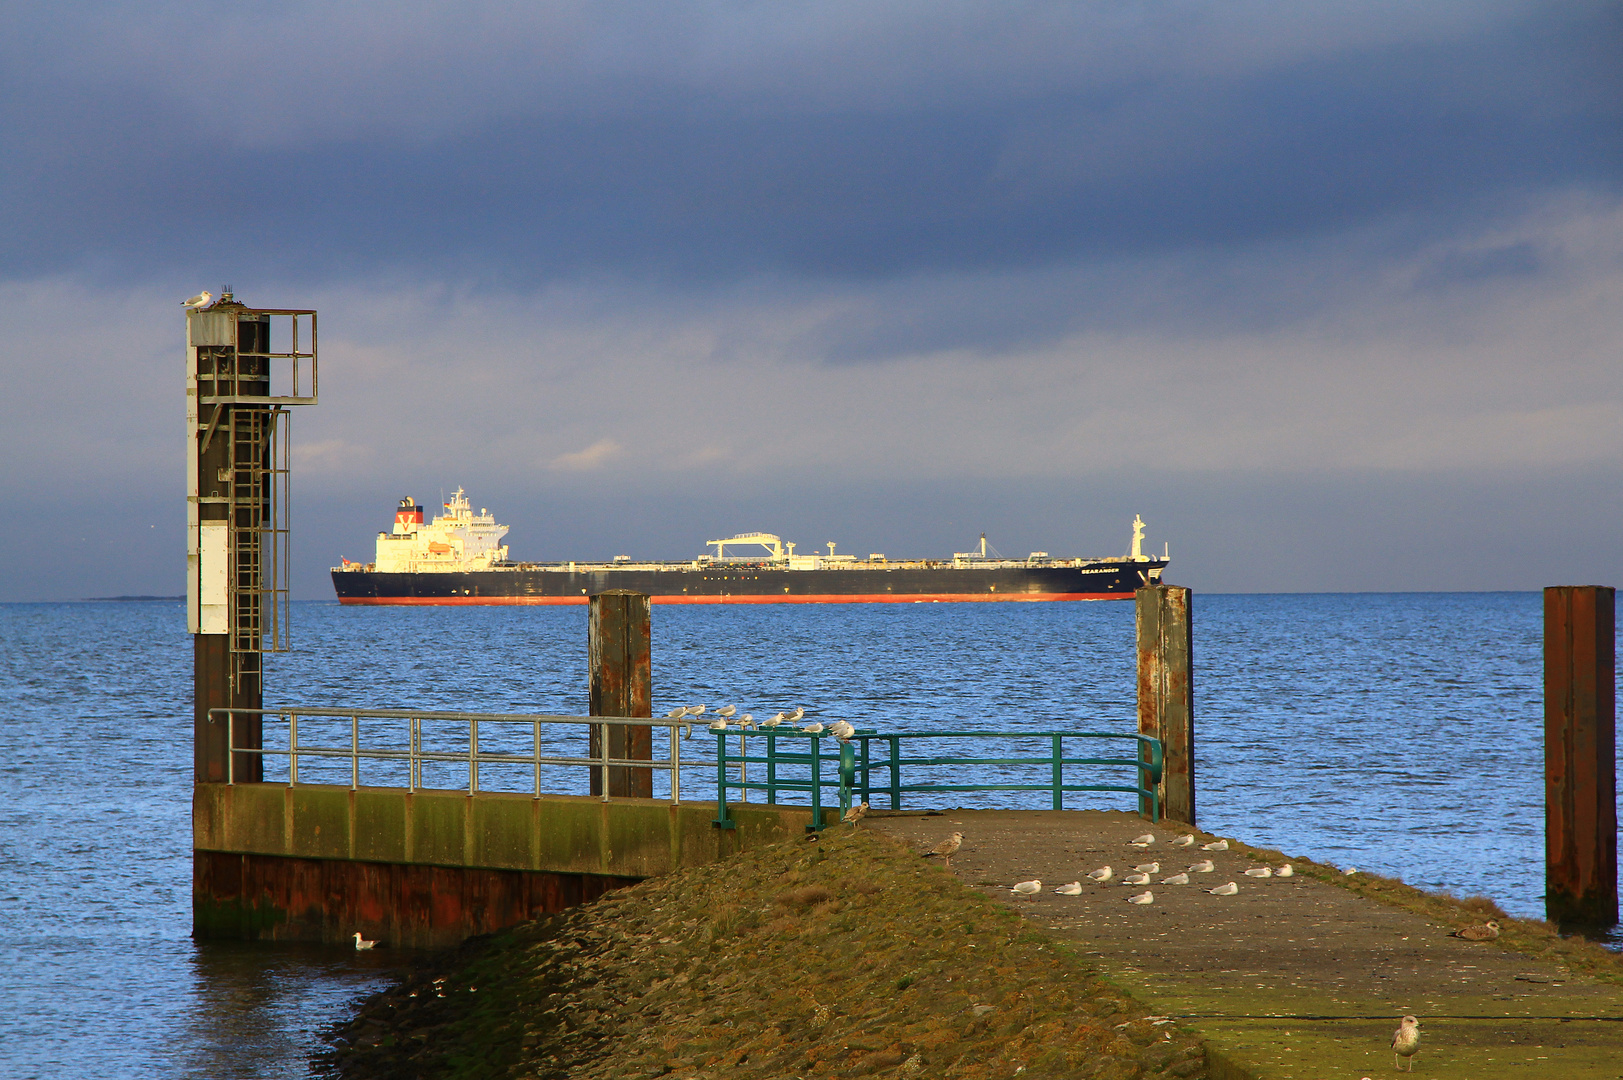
(849, 767)
(415, 744)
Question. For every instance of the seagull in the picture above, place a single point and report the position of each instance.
(680, 710)
(360, 942)
(1142, 898)
(727, 711)
(775, 721)
(1143, 841)
(1149, 868)
(1259, 871)
(947, 848)
(795, 717)
(1184, 841)
(1027, 888)
(718, 725)
(198, 303)
(1203, 867)
(696, 710)
(1176, 879)
(747, 721)
(1103, 874)
(842, 730)
(1350, 871)
(1225, 890)
(855, 814)
(1486, 932)
(1073, 889)
(813, 729)
(1215, 845)
(1406, 1041)
(1136, 879)
(1285, 871)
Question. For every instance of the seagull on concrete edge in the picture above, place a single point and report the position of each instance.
(855, 814)
(947, 848)
(1142, 898)
(361, 943)
(1486, 932)
(1259, 871)
(1225, 890)
(1176, 879)
(1184, 841)
(1142, 841)
(1215, 845)
(1073, 889)
(1103, 874)
(1203, 867)
(1027, 888)
(1406, 1041)
(200, 302)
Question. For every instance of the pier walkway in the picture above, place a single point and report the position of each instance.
(1291, 977)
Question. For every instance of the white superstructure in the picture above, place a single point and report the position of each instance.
(456, 540)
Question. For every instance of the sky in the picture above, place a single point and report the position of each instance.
(1331, 294)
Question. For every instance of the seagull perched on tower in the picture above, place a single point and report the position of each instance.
(199, 302)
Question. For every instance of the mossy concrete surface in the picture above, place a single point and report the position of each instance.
(633, 838)
(1297, 977)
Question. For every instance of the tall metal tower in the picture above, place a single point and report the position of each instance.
(236, 513)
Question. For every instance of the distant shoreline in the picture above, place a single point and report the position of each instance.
(129, 599)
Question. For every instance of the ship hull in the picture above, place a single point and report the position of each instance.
(750, 585)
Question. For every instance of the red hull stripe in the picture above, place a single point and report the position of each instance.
(859, 598)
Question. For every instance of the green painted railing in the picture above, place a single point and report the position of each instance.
(850, 768)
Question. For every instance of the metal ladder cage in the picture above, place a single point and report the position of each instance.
(257, 516)
(257, 366)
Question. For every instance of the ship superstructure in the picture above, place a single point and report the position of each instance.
(457, 541)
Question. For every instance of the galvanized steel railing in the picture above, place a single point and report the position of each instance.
(415, 754)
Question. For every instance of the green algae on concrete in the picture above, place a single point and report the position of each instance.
(844, 956)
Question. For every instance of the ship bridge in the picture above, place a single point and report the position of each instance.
(777, 549)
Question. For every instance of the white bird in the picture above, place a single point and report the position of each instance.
(1176, 879)
(198, 303)
(1136, 879)
(360, 942)
(1143, 841)
(1142, 898)
(747, 721)
(1406, 1041)
(1225, 890)
(1259, 871)
(1027, 888)
(1149, 868)
(775, 721)
(718, 725)
(813, 729)
(1350, 871)
(855, 814)
(1184, 841)
(842, 730)
(727, 711)
(795, 717)
(1203, 867)
(1285, 871)
(680, 710)
(1104, 873)
(1073, 889)
(1215, 845)
(696, 710)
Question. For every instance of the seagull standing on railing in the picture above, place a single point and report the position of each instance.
(696, 710)
(747, 722)
(676, 713)
(796, 716)
(776, 720)
(842, 730)
(727, 711)
(813, 729)
(718, 725)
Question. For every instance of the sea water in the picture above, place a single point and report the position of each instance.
(1397, 733)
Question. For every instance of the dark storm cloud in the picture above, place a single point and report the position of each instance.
(906, 142)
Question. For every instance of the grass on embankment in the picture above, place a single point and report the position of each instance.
(846, 956)
(1530, 937)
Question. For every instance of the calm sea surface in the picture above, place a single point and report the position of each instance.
(1397, 733)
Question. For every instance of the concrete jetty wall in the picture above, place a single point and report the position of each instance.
(429, 868)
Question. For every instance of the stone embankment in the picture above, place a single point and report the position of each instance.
(844, 956)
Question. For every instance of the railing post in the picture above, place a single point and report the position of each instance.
(354, 752)
(771, 767)
(1580, 756)
(724, 818)
(537, 752)
(473, 757)
(292, 748)
(895, 773)
(621, 684)
(848, 776)
(1166, 706)
(816, 782)
(676, 764)
(1059, 775)
(866, 766)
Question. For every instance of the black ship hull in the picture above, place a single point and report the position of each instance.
(735, 584)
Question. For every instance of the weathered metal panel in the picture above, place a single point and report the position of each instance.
(1580, 748)
(1166, 702)
(620, 659)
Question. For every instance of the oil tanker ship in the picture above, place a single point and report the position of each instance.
(459, 558)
